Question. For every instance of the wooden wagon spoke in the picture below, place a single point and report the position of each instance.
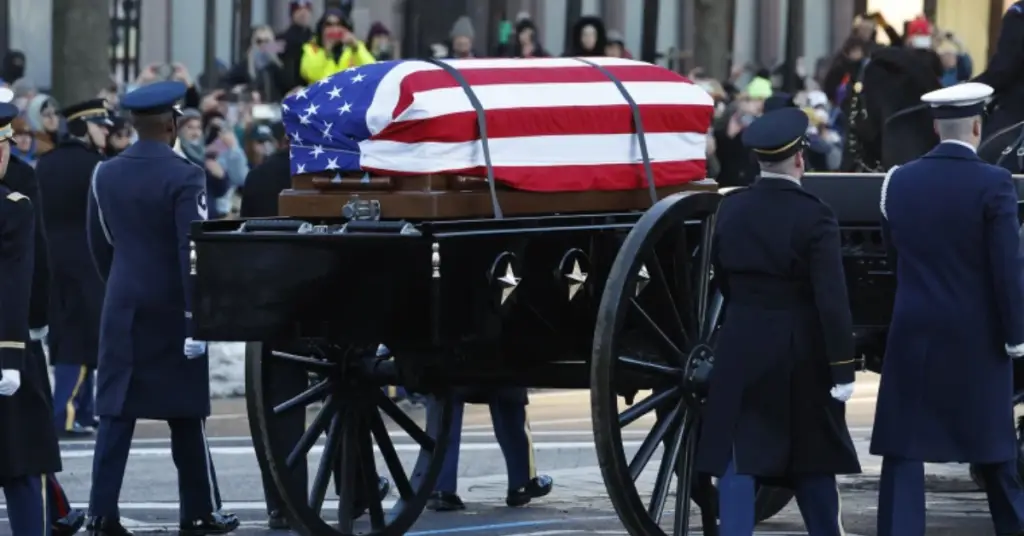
(646, 367)
(390, 455)
(650, 443)
(651, 327)
(650, 403)
(326, 466)
(405, 422)
(672, 298)
(666, 469)
(346, 480)
(370, 479)
(315, 393)
(702, 290)
(684, 468)
(309, 437)
(307, 362)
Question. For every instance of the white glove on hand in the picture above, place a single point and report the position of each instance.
(194, 348)
(1015, 351)
(842, 392)
(10, 381)
(39, 334)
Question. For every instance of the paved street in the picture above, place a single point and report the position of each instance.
(564, 450)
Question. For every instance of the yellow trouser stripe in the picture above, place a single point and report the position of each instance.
(531, 463)
(46, 525)
(12, 344)
(69, 421)
(392, 392)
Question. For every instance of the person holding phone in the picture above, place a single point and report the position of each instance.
(334, 48)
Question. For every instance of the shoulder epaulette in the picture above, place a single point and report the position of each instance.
(15, 196)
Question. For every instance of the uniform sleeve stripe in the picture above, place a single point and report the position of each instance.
(12, 345)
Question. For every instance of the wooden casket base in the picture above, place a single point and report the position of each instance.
(442, 197)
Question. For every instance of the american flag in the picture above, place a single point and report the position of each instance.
(554, 124)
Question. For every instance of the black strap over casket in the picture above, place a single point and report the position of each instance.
(481, 120)
(638, 125)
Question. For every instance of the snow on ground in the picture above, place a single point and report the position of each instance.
(227, 369)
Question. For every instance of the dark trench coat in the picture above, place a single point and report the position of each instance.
(786, 339)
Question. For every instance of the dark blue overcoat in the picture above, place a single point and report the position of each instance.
(950, 223)
(786, 339)
(76, 292)
(140, 208)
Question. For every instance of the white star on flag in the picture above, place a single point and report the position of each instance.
(312, 109)
(327, 131)
(284, 107)
(304, 119)
(358, 78)
(332, 163)
(352, 68)
(334, 93)
(317, 151)
(301, 168)
(345, 109)
(301, 94)
(296, 138)
(324, 81)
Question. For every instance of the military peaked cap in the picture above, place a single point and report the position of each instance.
(959, 101)
(777, 135)
(90, 111)
(154, 99)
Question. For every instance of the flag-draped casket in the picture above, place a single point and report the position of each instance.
(553, 124)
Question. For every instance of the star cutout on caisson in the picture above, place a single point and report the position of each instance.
(508, 283)
(576, 278)
(643, 277)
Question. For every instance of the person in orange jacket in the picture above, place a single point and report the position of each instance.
(333, 49)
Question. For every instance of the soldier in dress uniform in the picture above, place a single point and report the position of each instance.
(512, 430)
(139, 210)
(76, 294)
(784, 364)
(947, 377)
(28, 451)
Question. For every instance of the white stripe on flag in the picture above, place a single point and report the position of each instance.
(581, 150)
(385, 99)
(452, 100)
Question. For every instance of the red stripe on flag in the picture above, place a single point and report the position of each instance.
(562, 121)
(583, 178)
(437, 79)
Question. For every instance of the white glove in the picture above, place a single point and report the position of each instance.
(1015, 351)
(10, 381)
(194, 348)
(39, 334)
(842, 392)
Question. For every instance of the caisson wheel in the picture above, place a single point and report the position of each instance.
(348, 407)
(655, 334)
(1018, 402)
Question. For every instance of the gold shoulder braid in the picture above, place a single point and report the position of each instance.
(857, 109)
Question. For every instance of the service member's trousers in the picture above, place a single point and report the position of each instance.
(901, 499)
(73, 396)
(816, 495)
(197, 482)
(511, 429)
(27, 507)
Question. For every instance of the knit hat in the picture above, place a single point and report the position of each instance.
(295, 5)
(759, 88)
(463, 27)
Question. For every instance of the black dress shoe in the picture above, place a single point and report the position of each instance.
(215, 523)
(69, 524)
(536, 488)
(383, 488)
(77, 431)
(442, 501)
(107, 526)
(277, 521)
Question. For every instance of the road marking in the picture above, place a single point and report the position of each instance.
(229, 506)
(248, 450)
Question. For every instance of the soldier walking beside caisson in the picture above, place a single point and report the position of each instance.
(950, 224)
(28, 447)
(785, 358)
